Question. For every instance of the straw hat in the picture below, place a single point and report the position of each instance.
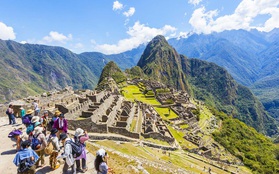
(57, 112)
(29, 111)
(35, 119)
(79, 132)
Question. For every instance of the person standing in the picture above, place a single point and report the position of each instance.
(22, 113)
(54, 118)
(80, 137)
(25, 159)
(44, 121)
(10, 113)
(38, 134)
(101, 162)
(36, 108)
(67, 154)
(55, 143)
(61, 125)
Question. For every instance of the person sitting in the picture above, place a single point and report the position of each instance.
(101, 162)
(67, 154)
(80, 137)
(61, 125)
(25, 159)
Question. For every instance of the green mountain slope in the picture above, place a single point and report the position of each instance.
(29, 69)
(207, 82)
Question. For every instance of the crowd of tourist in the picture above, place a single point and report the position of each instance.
(49, 136)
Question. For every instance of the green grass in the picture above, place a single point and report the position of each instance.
(133, 92)
(164, 113)
(184, 126)
(178, 135)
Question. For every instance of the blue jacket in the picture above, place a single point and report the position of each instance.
(25, 153)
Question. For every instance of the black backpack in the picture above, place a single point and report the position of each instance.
(24, 165)
(76, 148)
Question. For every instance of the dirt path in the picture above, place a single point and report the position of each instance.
(7, 151)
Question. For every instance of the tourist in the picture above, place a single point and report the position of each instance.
(55, 143)
(39, 149)
(67, 154)
(28, 117)
(44, 121)
(25, 159)
(80, 137)
(101, 162)
(10, 113)
(31, 126)
(22, 113)
(54, 118)
(36, 108)
(61, 125)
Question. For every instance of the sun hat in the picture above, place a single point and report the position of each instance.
(63, 136)
(53, 131)
(101, 152)
(29, 111)
(38, 130)
(37, 124)
(57, 112)
(79, 132)
(35, 119)
(45, 112)
(21, 107)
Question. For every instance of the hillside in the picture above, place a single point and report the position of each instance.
(249, 56)
(205, 81)
(253, 149)
(28, 69)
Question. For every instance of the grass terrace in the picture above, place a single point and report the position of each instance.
(164, 113)
(133, 92)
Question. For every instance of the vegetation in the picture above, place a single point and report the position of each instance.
(165, 114)
(254, 149)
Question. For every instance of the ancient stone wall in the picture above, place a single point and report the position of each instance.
(123, 131)
(158, 136)
(88, 125)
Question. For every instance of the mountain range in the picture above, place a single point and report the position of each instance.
(205, 81)
(251, 57)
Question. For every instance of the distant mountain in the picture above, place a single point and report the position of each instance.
(251, 57)
(205, 81)
(29, 69)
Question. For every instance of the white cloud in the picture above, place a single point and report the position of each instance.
(194, 2)
(138, 34)
(130, 12)
(242, 18)
(6, 32)
(117, 5)
(56, 37)
(78, 46)
(23, 42)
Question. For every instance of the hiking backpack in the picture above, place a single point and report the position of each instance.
(36, 144)
(7, 112)
(24, 165)
(76, 148)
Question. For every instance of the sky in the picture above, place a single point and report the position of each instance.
(112, 27)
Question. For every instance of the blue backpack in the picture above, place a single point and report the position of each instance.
(76, 148)
(29, 128)
(36, 144)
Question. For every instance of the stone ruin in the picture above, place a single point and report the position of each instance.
(153, 125)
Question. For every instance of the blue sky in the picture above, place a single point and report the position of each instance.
(110, 27)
